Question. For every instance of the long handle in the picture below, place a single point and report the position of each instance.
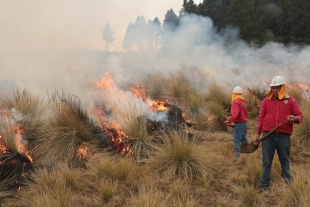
(273, 130)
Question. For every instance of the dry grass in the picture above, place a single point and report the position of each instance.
(194, 167)
(66, 129)
(23, 110)
(140, 140)
(218, 106)
(181, 156)
(303, 129)
(297, 194)
(295, 92)
(155, 85)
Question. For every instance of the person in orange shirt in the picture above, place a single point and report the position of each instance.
(238, 117)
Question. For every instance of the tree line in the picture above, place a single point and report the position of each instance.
(259, 21)
(144, 35)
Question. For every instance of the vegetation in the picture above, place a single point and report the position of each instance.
(259, 21)
(190, 166)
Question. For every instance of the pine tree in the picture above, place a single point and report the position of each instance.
(107, 35)
(171, 20)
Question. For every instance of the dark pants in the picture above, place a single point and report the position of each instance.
(280, 142)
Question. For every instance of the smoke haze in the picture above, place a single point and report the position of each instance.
(58, 44)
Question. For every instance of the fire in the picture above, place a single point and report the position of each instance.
(252, 94)
(160, 105)
(20, 147)
(303, 86)
(82, 151)
(112, 131)
(139, 91)
(106, 82)
(3, 148)
(116, 137)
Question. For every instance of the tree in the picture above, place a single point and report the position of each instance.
(129, 38)
(107, 35)
(189, 7)
(156, 32)
(171, 20)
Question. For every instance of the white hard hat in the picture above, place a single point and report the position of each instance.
(277, 81)
(237, 89)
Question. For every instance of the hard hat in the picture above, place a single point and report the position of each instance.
(277, 81)
(237, 89)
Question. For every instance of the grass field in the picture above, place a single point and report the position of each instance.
(189, 165)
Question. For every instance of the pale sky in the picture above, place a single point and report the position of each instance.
(37, 24)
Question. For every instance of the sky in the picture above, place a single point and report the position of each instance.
(37, 24)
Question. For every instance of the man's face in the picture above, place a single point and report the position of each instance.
(275, 90)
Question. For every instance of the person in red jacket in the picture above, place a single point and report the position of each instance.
(275, 108)
(238, 117)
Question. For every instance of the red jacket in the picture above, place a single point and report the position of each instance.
(238, 111)
(274, 111)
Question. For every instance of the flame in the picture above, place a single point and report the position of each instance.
(139, 91)
(106, 82)
(116, 136)
(160, 105)
(112, 131)
(82, 151)
(20, 147)
(302, 85)
(3, 148)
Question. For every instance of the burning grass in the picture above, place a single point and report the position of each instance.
(67, 127)
(140, 139)
(167, 163)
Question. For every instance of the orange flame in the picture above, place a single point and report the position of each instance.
(139, 91)
(106, 82)
(20, 147)
(82, 151)
(159, 105)
(3, 148)
(116, 135)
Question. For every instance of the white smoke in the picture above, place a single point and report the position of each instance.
(193, 44)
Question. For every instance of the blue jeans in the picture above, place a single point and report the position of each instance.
(240, 130)
(282, 143)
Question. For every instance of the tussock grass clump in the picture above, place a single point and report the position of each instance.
(254, 170)
(155, 85)
(253, 104)
(107, 191)
(66, 128)
(140, 140)
(55, 188)
(218, 106)
(295, 92)
(104, 167)
(22, 111)
(147, 197)
(302, 130)
(181, 156)
(297, 194)
(258, 92)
